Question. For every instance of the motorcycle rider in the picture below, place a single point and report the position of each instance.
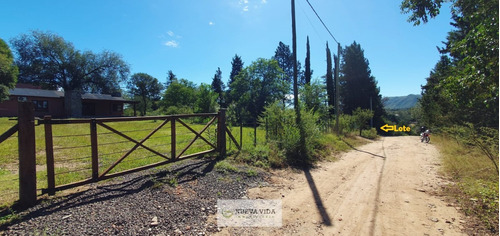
(422, 129)
(424, 132)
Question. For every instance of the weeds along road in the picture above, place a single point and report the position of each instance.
(381, 188)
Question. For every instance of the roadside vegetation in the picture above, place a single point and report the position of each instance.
(474, 172)
(460, 104)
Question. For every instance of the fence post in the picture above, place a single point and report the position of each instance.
(241, 135)
(255, 134)
(95, 150)
(221, 132)
(49, 153)
(173, 141)
(267, 132)
(27, 154)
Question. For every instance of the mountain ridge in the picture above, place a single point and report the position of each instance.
(400, 102)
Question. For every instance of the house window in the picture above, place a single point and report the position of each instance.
(117, 107)
(41, 105)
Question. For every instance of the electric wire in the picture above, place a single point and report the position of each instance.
(322, 21)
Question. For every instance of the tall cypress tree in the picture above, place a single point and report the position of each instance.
(171, 77)
(237, 67)
(329, 80)
(218, 87)
(308, 72)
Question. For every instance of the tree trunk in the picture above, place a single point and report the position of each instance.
(73, 103)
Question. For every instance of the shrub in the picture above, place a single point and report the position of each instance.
(285, 134)
(369, 134)
(346, 124)
(224, 167)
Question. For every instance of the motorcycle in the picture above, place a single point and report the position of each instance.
(425, 136)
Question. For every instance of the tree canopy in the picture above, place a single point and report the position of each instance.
(8, 71)
(358, 85)
(283, 55)
(48, 60)
(180, 93)
(469, 78)
(218, 87)
(236, 68)
(144, 88)
(256, 86)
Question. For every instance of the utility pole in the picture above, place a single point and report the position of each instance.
(298, 119)
(337, 89)
(371, 109)
(294, 51)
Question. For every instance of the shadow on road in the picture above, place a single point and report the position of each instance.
(317, 198)
(359, 150)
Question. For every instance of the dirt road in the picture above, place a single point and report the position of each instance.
(381, 188)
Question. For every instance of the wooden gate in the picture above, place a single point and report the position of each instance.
(174, 154)
(175, 139)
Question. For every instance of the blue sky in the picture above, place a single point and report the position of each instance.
(194, 37)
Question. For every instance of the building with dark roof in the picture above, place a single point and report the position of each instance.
(52, 102)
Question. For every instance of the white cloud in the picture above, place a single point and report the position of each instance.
(245, 8)
(211, 23)
(172, 43)
(264, 1)
(170, 33)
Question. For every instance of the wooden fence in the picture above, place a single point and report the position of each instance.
(27, 149)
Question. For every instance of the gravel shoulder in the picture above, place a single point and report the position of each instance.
(386, 187)
(175, 201)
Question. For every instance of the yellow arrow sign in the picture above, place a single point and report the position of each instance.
(388, 128)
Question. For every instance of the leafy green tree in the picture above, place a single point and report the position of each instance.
(314, 97)
(436, 109)
(206, 99)
(256, 86)
(473, 47)
(358, 86)
(218, 87)
(180, 95)
(421, 10)
(361, 118)
(48, 60)
(144, 88)
(8, 71)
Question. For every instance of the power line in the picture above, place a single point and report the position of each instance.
(322, 22)
(309, 20)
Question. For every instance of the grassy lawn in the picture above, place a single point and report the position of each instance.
(72, 150)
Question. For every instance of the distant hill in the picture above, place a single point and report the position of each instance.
(402, 102)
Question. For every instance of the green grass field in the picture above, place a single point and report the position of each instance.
(72, 150)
